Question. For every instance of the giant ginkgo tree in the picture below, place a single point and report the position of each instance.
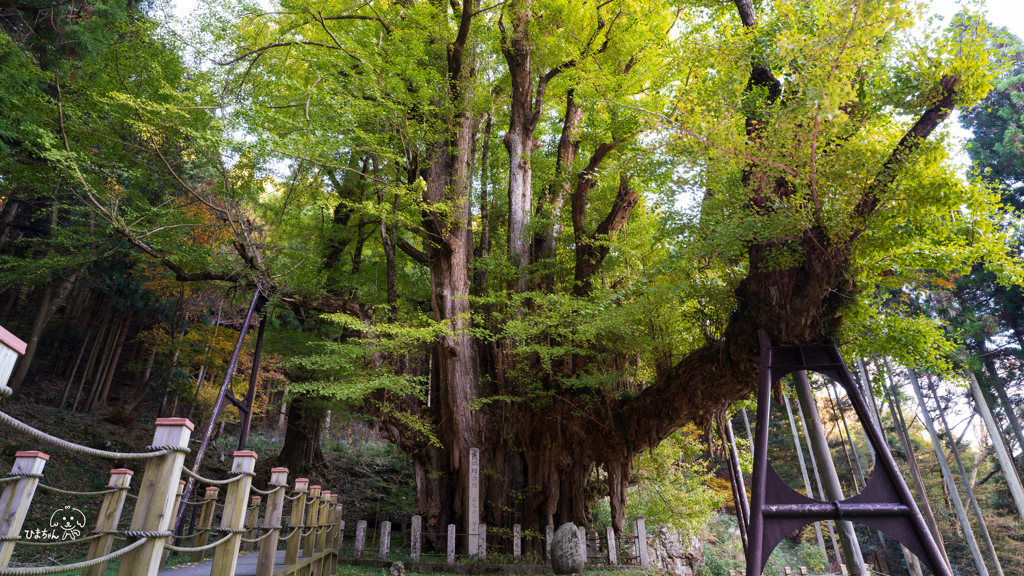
(672, 177)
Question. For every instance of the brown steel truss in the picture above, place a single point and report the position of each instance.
(776, 510)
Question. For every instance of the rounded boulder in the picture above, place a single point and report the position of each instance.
(567, 550)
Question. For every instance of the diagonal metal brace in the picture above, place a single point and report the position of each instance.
(777, 510)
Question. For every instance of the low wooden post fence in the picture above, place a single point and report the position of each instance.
(316, 516)
(334, 532)
(17, 497)
(110, 515)
(225, 556)
(291, 555)
(155, 506)
(312, 516)
(252, 523)
(272, 521)
(205, 521)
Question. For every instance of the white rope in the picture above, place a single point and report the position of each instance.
(264, 492)
(73, 493)
(255, 540)
(196, 548)
(39, 570)
(61, 542)
(238, 476)
(53, 440)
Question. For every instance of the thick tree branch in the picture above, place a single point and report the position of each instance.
(331, 305)
(911, 141)
(413, 252)
(590, 253)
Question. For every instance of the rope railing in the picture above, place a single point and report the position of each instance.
(164, 462)
(255, 540)
(209, 546)
(75, 493)
(238, 476)
(61, 542)
(54, 441)
(265, 492)
(40, 570)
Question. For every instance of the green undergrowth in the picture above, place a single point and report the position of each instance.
(723, 551)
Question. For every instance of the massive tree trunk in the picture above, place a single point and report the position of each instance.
(302, 435)
(517, 48)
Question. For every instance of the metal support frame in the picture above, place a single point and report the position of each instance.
(776, 510)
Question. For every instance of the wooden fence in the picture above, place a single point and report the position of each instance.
(314, 527)
(315, 514)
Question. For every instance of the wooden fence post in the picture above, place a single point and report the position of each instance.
(613, 550)
(312, 519)
(272, 521)
(17, 498)
(154, 509)
(110, 514)
(324, 518)
(416, 538)
(333, 531)
(252, 523)
(177, 506)
(296, 520)
(324, 510)
(205, 521)
(225, 556)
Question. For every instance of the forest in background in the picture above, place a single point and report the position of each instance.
(671, 177)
